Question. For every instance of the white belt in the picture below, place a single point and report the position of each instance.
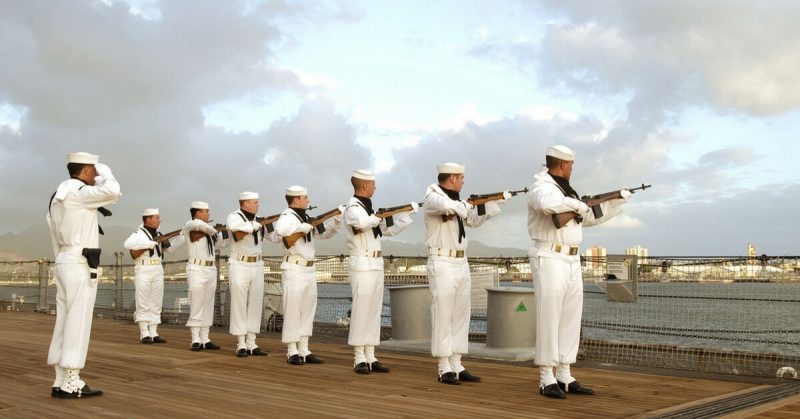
(297, 260)
(201, 262)
(435, 251)
(148, 261)
(248, 259)
(71, 250)
(368, 253)
(562, 248)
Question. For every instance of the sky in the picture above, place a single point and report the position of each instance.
(200, 100)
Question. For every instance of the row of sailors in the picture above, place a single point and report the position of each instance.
(446, 216)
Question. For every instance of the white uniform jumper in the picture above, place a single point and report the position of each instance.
(149, 279)
(555, 264)
(364, 233)
(448, 274)
(246, 279)
(201, 277)
(72, 219)
(299, 281)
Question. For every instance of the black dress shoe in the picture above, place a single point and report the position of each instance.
(80, 394)
(377, 367)
(449, 378)
(159, 339)
(210, 345)
(241, 353)
(256, 352)
(196, 346)
(294, 360)
(146, 339)
(313, 359)
(575, 388)
(552, 391)
(361, 368)
(466, 376)
(54, 391)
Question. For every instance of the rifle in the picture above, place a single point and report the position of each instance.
(388, 212)
(559, 220)
(481, 200)
(316, 222)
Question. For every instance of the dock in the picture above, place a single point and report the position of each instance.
(168, 380)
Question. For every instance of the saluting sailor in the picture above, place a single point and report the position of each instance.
(75, 236)
(364, 232)
(449, 279)
(299, 275)
(556, 267)
(147, 254)
(246, 272)
(201, 273)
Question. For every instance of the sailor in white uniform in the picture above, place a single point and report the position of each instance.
(75, 236)
(299, 275)
(202, 240)
(246, 274)
(446, 215)
(364, 231)
(556, 267)
(147, 252)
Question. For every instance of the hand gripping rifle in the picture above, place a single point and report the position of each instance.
(316, 222)
(481, 200)
(559, 220)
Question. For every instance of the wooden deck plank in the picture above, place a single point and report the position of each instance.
(169, 380)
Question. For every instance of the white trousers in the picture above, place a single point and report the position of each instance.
(202, 282)
(247, 296)
(559, 305)
(299, 303)
(365, 314)
(149, 282)
(450, 284)
(75, 297)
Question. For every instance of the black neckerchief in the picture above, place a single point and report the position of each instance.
(450, 194)
(367, 204)
(301, 214)
(455, 197)
(563, 183)
(209, 242)
(249, 215)
(153, 235)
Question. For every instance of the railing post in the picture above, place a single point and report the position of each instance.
(42, 306)
(118, 303)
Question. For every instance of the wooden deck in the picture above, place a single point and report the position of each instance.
(170, 381)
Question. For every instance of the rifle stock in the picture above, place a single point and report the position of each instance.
(561, 219)
(316, 222)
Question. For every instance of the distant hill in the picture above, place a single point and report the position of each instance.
(34, 243)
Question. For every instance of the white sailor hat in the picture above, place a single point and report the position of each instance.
(296, 190)
(244, 196)
(450, 168)
(150, 211)
(82, 158)
(363, 174)
(199, 205)
(561, 152)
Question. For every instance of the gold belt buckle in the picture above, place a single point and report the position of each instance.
(459, 254)
(573, 250)
(557, 247)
